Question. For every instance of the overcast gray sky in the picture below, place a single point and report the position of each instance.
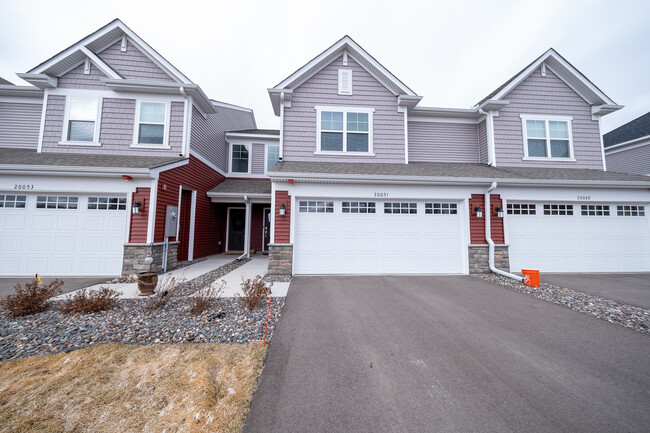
(451, 52)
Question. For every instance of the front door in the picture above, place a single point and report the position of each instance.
(267, 229)
(236, 228)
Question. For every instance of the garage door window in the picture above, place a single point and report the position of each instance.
(521, 209)
(107, 203)
(630, 210)
(56, 202)
(358, 207)
(558, 209)
(440, 208)
(594, 210)
(316, 206)
(13, 201)
(401, 208)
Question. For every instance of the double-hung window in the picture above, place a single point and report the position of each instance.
(344, 129)
(239, 159)
(82, 121)
(151, 124)
(272, 156)
(547, 137)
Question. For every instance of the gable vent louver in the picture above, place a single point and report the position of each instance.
(345, 81)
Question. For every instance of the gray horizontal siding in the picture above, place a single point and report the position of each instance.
(443, 142)
(116, 131)
(322, 89)
(482, 143)
(257, 164)
(20, 124)
(76, 79)
(208, 136)
(133, 64)
(546, 95)
(635, 160)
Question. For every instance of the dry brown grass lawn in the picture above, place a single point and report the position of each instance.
(124, 388)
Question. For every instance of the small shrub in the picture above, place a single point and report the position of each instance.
(255, 291)
(90, 301)
(165, 292)
(206, 297)
(30, 298)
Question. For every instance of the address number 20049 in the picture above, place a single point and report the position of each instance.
(584, 197)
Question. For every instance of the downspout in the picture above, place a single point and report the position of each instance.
(488, 237)
(281, 150)
(247, 230)
(186, 121)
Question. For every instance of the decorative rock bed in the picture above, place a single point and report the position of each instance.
(614, 312)
(129, 321)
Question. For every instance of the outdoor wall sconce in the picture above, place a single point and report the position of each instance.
(499, 212)
(283, 209)
(136, 208)
(479, 212)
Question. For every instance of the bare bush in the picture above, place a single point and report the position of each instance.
(30, 298)
(205, 298)
(90, 301)
(255, 291)
(165, 292)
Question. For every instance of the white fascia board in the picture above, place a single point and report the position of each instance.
(493, 105)
(231, 106)
(383, 179)
(344, 44)
(72, 171)
(632, 144)
(252, 137)
(42, 81)
(27, 93)
(603, 110)
(106, 70)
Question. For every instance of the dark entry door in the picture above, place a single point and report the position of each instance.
(184, 223)
(236, 227)
(267, 229)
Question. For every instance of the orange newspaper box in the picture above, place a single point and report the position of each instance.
(531, 277)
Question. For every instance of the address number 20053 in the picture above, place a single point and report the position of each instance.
(23, 186)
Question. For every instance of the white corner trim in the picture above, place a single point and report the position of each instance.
(602, 146)
(406, 137)
(41, 132)
(190, 248)
(151, 221)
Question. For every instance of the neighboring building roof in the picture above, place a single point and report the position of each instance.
(239, 187)
(453, 171)
(637, 128)
(257, 131)
(9, 156)
(5, 82)
(567, 73)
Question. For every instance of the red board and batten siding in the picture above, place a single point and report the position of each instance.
(199, 177)
(477, 225)
(139, 222)
(282, 223)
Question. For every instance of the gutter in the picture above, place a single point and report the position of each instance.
(488, 237)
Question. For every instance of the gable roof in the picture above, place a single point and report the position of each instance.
(566, 72)
(637, 128)
(361, 56)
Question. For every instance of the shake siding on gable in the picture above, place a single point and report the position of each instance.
(442, 142)
(257, 164)
(133, 64)
(482, 143)
(322, 89)
(20, 124)
(53, 128)
(208, 135)
(635, 160)
(546, 95)
(76, 79)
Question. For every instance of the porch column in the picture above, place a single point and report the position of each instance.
(247, 228)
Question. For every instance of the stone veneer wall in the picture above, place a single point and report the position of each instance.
(280, 259)
(134, 255)
(478, 258)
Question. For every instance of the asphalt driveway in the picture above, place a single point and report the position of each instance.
(632, 289)
(448, 354)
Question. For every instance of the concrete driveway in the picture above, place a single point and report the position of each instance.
(447, 354)
(632, 289)
(70, 284)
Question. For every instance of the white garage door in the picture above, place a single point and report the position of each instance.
(376, 237)
(575, 237)
(61, 235)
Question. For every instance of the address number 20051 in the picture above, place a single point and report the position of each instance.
(381, 194)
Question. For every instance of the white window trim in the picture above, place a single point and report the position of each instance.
(249, 148)
(546, 118)
(136, 124)
(66, 123)
(345, 110)
(266, 156)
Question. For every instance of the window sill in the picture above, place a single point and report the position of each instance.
(532, 158)
(332, 153)
(150, 146)
(80, 143)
